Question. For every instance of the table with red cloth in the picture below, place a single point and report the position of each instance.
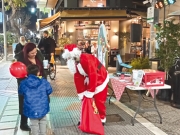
(119, 85)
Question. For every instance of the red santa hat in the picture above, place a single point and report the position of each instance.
(68, 51)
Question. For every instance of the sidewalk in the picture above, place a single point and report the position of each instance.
(65, 110)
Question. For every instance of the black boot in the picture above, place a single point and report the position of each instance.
(78, 123)
(24, 125)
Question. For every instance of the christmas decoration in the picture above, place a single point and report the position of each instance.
(64, 41)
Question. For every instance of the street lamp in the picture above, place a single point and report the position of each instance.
(33, 10)
(4, 31)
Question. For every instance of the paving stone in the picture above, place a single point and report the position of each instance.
(9, 118)
(12, 103)
(16, 107)
(7, 125)
(11, 112)
(3, 101)
(7, 132)
(13, 99)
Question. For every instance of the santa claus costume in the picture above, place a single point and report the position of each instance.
(90, 77)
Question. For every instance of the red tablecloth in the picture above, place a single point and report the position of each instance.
(119, 85)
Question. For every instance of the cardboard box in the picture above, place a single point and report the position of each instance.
(153, 78)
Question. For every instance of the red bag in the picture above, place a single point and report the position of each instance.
(90, 119)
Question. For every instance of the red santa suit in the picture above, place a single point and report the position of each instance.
(91, 81)
(90, 77)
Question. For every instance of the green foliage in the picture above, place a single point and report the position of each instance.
(140, 63)
(15, 4)
(10, 38)
(45, 10)
(167, 38)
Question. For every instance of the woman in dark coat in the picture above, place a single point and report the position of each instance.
(29, 55)
(20, 45)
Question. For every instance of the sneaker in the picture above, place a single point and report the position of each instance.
(78, 123)
(25, 128)
(103, 123)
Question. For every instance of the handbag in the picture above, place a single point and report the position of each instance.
(90, 119)
(52, 59)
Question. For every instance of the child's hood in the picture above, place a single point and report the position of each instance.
(33, 81)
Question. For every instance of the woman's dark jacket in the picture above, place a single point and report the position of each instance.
(20, 57)
(19, 48)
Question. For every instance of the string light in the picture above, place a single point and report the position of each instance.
(162, 3)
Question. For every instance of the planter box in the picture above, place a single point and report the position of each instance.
(153, 78)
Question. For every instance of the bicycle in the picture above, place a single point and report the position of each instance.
(52, 71)
(1, 52)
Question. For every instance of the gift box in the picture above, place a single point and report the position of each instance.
(153, 78)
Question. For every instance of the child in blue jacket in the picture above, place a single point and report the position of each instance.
(36, 91)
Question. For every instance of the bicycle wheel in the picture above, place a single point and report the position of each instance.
(52, 72)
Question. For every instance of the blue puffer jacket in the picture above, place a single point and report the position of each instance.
(35, 92)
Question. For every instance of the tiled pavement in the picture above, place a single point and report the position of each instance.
(65, 110)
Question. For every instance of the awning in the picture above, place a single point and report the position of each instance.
(87, 14)
(48, 21)
(51, 3)
(93, 14)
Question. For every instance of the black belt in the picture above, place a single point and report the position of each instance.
(99, 66)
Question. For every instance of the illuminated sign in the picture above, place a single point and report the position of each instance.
(166, 2)
(162, 3)
(1, 17)
(171, 1)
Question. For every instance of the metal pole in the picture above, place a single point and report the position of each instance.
(164, 16)
(152, 36)
(4, 31)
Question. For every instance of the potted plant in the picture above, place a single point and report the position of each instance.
(167, 38)
(168, 50)
(140, 63)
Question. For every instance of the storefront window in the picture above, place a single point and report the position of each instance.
(93, 3)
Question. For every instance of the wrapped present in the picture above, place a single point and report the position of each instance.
(153, 78)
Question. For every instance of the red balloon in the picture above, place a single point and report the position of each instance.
(18, 70)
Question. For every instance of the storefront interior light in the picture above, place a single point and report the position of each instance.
(171, 1)
(159, 4)
(33, 10)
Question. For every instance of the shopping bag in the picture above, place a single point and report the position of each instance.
(52, 59)
(90, 119)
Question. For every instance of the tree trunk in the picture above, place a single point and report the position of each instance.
(13, 24)
(15, 27)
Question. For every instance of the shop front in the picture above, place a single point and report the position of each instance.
(83, 25)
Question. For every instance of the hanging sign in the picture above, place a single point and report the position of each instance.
(150, 15)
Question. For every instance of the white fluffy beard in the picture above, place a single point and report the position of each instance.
(76, 53)
(71, 65)
(23, 43)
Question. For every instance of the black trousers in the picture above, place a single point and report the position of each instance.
(24, 119)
